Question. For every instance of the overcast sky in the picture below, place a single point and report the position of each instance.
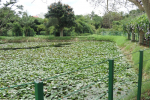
(79, 6)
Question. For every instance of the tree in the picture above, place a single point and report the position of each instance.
(63, 13)
(135, 13)
(92, 14)
(97, 21)
(143, 5)
(29, 31)
(27, 22)
(109, 17)
(37, 22)
(7, 15)
(40, 28)
(17, 29)
(84, 24)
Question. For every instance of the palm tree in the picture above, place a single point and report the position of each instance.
(26, 22)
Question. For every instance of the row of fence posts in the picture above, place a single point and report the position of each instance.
(39, 95)
(111, 74)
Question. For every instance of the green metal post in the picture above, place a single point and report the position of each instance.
(111, 74)
(39, 95)
(140, 75)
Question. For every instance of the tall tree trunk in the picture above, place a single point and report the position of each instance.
(128, 35)
(61, 32)
(146, 4)
(0, 32)
(141, 37)
(133, 36)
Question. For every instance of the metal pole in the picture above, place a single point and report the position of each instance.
(39, 95)
(111, 74)
(140, 75)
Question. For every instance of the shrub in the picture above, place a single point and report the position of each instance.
(67, 31)
(3, 31)
(17, 29)
(85, 34)
(74, 34)
(9, 33)
(83, 27)
(29, 31)
(43, 33)
(98, 31)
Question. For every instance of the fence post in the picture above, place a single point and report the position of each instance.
(39, 95)
(111, 74)
(140, 75)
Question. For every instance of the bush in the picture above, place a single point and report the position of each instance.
(9, 33)
(29, 31)
(98, 31)
(17, 29)
(3, 32)
(83, 27)
(51, 30)
(85, 34)
(43, 33)
(74, 34)
(69, 31)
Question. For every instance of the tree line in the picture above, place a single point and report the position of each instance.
(59, 21)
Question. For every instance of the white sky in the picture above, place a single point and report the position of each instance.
(79, 6)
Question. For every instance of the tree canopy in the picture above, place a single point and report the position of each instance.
(8, 16)
(64, 14)
(109, 17)
(143, 5)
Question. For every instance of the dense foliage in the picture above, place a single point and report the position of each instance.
(64, 18)
(137, 24)
(17, 29)
(8, 16)
(109, 17)
(61, 19)
(64, 14)
(84, 25)
(18, 22)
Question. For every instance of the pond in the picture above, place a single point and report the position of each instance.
(81, 70)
